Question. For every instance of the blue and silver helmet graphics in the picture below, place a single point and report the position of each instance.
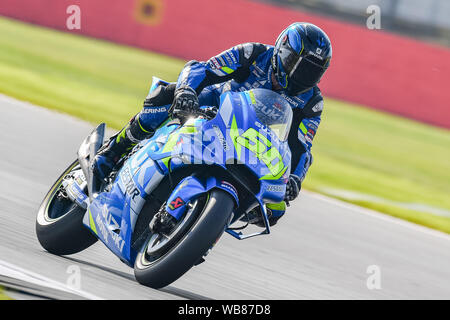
(301, 56)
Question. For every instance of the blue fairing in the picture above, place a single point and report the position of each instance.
(190, 188)
(223, 140)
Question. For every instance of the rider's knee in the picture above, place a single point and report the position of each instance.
(156, 106)
(161, 96)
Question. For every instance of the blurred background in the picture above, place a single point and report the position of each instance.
(384, 140)
(425, 20)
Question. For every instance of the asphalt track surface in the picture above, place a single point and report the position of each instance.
(322, 249)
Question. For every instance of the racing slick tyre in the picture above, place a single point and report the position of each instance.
(59, 226)
(164, 258)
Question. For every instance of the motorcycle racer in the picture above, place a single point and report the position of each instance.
(292, 68)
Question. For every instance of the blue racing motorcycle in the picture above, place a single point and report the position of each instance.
(169, 200)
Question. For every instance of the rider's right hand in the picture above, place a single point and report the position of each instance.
(293, 187)
(185, 102)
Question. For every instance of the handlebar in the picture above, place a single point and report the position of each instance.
(208, 112)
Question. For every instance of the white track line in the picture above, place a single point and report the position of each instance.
(12, 271)
(378, 215)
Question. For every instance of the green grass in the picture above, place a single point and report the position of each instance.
(355, 148)
(91, 79)
(375, 153)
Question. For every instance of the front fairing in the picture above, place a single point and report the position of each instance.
(234, 136)
(113, 214)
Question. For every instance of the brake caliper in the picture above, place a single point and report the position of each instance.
(73, 185)
(162, 222)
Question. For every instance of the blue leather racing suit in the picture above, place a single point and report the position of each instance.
(243, 67)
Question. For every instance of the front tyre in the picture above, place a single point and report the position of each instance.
(184, 251)
(59, 226)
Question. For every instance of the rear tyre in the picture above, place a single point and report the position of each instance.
(200, 232)
(59, 226)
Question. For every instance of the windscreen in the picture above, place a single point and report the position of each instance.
(273, 111)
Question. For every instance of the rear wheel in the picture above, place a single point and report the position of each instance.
(59, 226)
(165, 257)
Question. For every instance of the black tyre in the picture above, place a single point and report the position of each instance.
(198, 233)
(59, 226)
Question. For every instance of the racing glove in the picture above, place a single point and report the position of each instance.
(185, 102)
(293, 188)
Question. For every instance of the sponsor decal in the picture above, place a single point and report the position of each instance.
(301, 137)
(109, 219)
(175, 204)
(117, 240)
(227, 56)
(271, 112)
(79, 194)
(126, 176)
(308, 139)
(221, 138)
(276, 188)
(260, 71)
(215, 63)
(278, 106)
(290, 100)
(318, 106)
(248, 50)
(222, 62)
(233, 58)
(318, 56)
(313, 124)
(128, 182)
(135, 192)
(307, 133)
(106, 231)
(154, 110)
(102, 228)
(229, 186)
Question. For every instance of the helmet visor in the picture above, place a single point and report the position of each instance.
(289, 59)
(303, 72)
(305, 75)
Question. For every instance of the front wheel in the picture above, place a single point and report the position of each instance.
(163, 259)
(59, 225)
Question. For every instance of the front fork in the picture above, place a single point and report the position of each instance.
(240, 236)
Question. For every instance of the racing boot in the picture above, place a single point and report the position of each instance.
(118, 146)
